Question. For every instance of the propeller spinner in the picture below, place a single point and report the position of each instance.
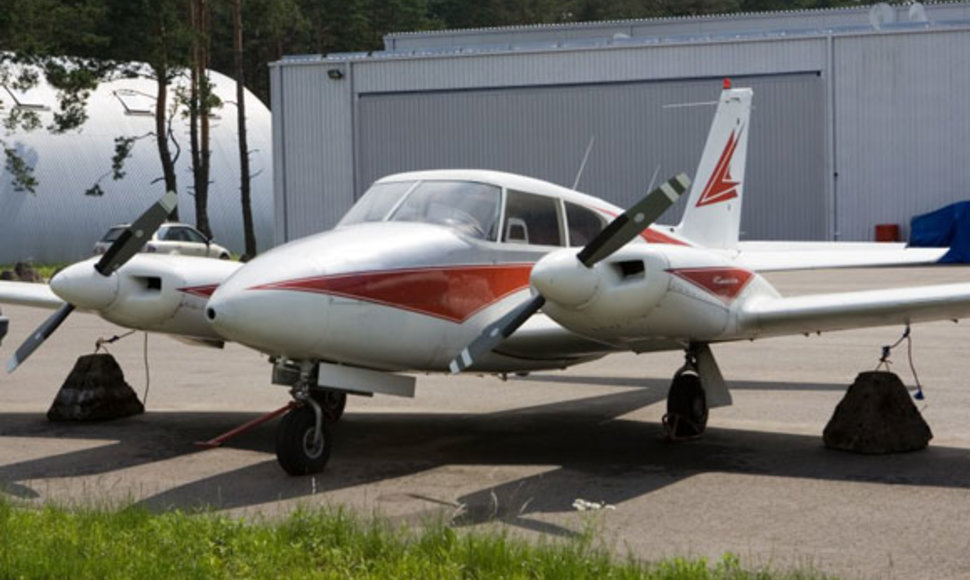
(127, 245)
(614, 236)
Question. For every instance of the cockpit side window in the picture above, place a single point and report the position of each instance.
(467, 206)
(377, 202)
(531, 219)
(584, 224)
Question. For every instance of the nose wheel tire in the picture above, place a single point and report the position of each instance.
(297, 449)
(686, 407)
(331, 402)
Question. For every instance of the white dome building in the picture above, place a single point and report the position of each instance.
(60, 223)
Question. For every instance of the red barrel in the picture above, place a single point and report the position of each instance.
(887, 232)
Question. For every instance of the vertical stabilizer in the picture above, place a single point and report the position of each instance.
(712, 217)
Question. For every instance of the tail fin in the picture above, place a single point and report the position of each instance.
(712, 217)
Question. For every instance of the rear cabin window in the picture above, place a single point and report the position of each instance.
(531, 219)
(584, 224)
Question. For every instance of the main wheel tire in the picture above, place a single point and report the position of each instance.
(331, 402)
(296, 450)
(686, 406)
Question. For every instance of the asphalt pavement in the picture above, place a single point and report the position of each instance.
(517, 453)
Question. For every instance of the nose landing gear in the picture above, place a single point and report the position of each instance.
(303, 440)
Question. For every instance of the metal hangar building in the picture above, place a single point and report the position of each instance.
(860, 115)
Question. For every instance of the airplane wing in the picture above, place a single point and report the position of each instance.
(846, 310)
(28, 294)
(776, 256)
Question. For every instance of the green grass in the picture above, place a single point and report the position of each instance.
(51, 542)
(45, 270)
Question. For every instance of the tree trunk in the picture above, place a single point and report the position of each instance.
(244, 190)
(161, 132)
(199, 104)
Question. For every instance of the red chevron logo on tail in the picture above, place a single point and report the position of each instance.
(721, 186)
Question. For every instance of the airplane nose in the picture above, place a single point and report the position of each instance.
(81, 285)
(219, 313)
(247, 317)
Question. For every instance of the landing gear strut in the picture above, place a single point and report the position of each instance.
(686, 404)
(331, 402)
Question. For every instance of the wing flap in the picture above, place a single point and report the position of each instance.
(28, 294)
(846, 310)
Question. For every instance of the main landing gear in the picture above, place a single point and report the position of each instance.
(686, 406)
(696, 387)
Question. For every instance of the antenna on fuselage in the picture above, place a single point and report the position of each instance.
(582, 166)
(654, 178)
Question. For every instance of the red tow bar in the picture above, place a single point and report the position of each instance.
(248, 426)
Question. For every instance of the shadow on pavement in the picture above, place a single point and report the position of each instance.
(594, 455)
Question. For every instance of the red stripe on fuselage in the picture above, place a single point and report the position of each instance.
(725, 283)
(453, 293)
(200, 291)
(650, 235)
(655, 237)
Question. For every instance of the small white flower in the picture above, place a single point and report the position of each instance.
(583, 505)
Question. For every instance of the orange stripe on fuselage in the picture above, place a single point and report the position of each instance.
(200, 291)
(724, 283)
(650, 235)
(453, 293)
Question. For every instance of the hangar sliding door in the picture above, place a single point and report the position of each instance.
(543, 132)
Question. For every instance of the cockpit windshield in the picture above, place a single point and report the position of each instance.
(467, 206)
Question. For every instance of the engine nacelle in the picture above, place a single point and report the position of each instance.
(642, 293)
(158, 293)
(146, 297)
(623, 288)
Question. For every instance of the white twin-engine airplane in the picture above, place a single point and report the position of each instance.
(488, 272)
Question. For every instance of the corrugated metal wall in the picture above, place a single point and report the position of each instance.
(902, 127)
(534, 113)
(314, 134)
(543, 132)
(885, 111)
(796, 20)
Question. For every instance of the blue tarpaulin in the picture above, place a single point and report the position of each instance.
(947, 226)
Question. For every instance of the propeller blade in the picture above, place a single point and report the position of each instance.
(495, 333)
(39, 336)
(630, 223)
(132, 239)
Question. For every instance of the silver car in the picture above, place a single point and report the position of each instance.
(171, 238)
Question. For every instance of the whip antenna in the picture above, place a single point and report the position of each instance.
(582, 165)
